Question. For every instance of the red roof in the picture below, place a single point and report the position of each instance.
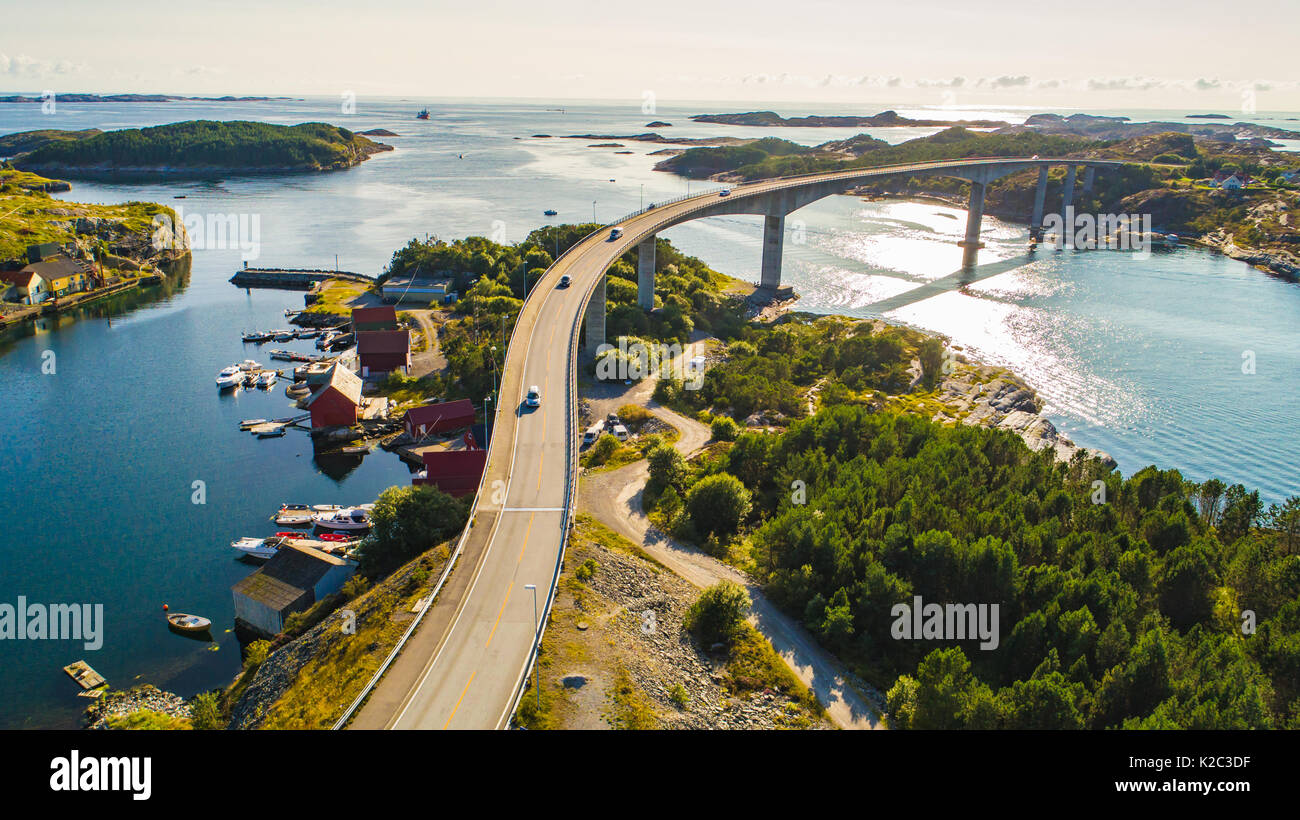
(21, 278)
(383, 341)
(456, 472)
(438, 418)
(382, 315)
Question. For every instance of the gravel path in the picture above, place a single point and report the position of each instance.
(614, 498)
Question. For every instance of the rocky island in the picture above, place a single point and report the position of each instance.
(193, 149)
(885, 119)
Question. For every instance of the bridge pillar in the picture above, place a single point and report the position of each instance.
(773, 241)
(595, 316)
(1040, 196)
(1089, 171)
(1067, 206)
(974, 215)
(645, 274)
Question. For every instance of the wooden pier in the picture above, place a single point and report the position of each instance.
(85, 677)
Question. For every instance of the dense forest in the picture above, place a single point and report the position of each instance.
(206, 144)
(1143, 602)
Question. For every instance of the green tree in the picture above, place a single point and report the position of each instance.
(724, 428)
(719, 612)
(717, 504)
(407, 521)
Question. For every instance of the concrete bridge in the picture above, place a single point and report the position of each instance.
(774, 199)
(465, 659)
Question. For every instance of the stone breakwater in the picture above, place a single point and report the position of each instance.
(146, 697)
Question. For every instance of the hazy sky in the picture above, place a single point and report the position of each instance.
(1196, 54)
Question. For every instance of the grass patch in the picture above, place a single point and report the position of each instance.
(148, 720)
(629, 706)
(753, 665)
(335, 675)
(337, 296)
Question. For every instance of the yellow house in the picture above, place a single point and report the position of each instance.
(61, 275)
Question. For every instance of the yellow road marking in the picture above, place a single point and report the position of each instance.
(456, 708)
(500, 612)
(526, 534)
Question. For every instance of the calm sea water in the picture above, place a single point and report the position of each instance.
(1141, 358)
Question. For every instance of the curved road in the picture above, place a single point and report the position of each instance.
(463, 667)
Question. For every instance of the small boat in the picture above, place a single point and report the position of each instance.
(182, 622)
(366, 507)
(257, 336)
(423, 115)
(353, 519)
(283, 335)
(291, 536)
(262, 548)
(247, 423)
(550, 212)
(294, 515)
(267, 379)
(325, 339)
(298, 390)
(250, 380)
(248, 365)
(276, 433)
(337, 537)
(229, 377)
(307, 333)
(326, 507)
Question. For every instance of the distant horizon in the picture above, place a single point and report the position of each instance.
(792, 107)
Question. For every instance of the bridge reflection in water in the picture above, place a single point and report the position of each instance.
(954, 281)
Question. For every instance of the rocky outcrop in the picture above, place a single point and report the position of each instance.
(1009, 405)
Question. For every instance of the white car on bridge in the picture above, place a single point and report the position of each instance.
(534, 397)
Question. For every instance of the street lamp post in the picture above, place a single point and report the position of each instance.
(537, 681)
(494, 369)
(487, 417)
(593, 210)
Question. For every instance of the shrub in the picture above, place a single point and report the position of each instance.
(600, 452)
(724, 428)
(205, 713)
(587, 570)
(717, 504)
(717, 615)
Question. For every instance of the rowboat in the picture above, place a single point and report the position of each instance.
(182, 622)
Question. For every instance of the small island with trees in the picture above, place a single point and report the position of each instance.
(196, 148)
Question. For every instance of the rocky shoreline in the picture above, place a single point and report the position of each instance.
(141, 698)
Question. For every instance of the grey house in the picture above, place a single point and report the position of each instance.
(293, 580)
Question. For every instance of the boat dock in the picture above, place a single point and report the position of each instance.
(267, 428)
(85, 677)
(292, 278)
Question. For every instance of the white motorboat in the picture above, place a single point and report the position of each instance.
(261, 548)
(267, 379)
(229, 377)
(283, 335)
(294, 515)
(349, 519)
(307, 333)
(325, 507)
(248, 365)
(324, 340)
